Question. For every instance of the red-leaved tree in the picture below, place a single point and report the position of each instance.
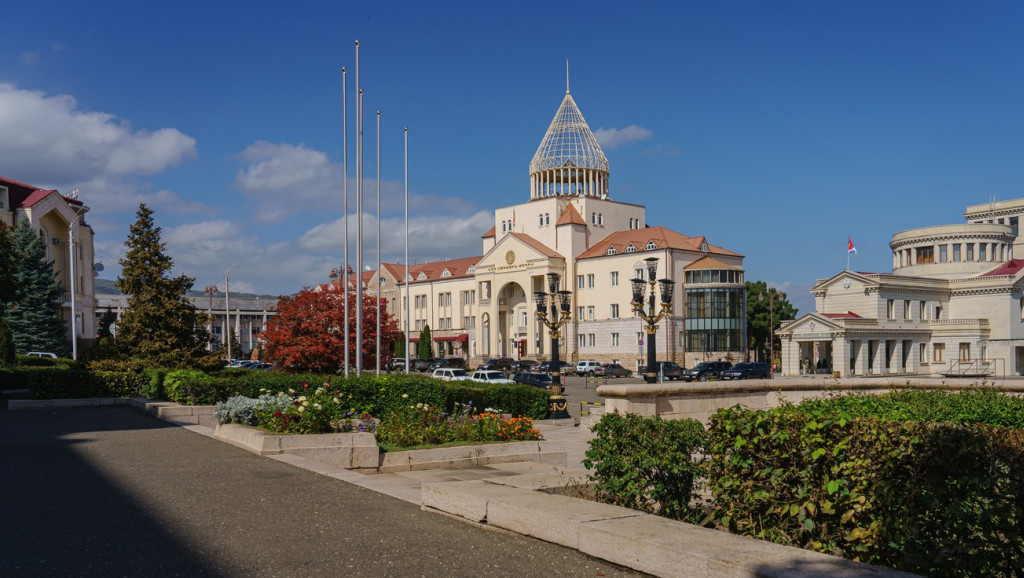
(308, 331)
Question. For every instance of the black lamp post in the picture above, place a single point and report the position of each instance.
(651, 317)
(558, 316)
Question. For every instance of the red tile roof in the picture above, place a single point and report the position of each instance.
(663, 239)
(489, 233)
(540, 247)
(1011, 267)
(570, 216)
(433, 271)
(710, 263)
(847, 315)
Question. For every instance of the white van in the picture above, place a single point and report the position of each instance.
(450, 374)
(587, 367)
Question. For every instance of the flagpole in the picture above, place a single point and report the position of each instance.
(405, 315)
(345, 276)
(359, 220)
(378, 242)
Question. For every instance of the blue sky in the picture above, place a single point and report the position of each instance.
(776, 129)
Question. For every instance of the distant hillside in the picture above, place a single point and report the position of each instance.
(108, 287)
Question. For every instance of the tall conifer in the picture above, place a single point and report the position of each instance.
(35, 313)
(7, 267)
(159, 322)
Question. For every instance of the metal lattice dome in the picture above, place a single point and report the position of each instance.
(569, 161)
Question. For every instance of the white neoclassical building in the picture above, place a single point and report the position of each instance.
(484, 305)
(952, 305)
(60, 219)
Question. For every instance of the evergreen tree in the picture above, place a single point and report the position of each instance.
(159, 322)
(6, 344)
(400, 345)
(763, 319)
(108, 319)
(424, 350)
(8, 264)
(35, 313)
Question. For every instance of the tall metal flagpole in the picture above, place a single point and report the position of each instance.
(405, 314)
(378, 243)
(344, 275)
(359, 219)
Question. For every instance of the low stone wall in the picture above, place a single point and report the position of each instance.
(678, 400)
(170, 411)
(466, 456)
(352, 451)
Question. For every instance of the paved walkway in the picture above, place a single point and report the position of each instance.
(111, 491)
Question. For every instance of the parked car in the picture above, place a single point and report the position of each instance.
(419, 364)
(534, 379)
(396, 364)
(490, 376)
(259, 365)
(450, 374)
(586, 367)
(705, 371)
(545, 367)
(500, 364)
(747, 370)
(42, 354)
(670, 370)
(612, 370)
(522, 365)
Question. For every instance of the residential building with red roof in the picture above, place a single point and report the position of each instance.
(953, 305)
(59, 219)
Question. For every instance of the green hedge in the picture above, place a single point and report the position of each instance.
(645, 463)
(941, 499)
(981, 405)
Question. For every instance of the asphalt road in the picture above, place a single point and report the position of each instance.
(116, 492)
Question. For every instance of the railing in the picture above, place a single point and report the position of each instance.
(598, 407)
(976, 368)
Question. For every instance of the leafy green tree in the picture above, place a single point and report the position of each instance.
(6, 344)
(159, 323)
(35, 312)
(8, 265)
(400, 345)
(424, 350)
(108, 319)
(765, 308)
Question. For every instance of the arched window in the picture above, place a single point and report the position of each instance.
(446, 273)
(503, 226)
(704, 246)
(540, 217)
(593, 218)
(547, 218)
(600, 219)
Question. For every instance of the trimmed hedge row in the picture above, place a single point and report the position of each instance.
(930, 497)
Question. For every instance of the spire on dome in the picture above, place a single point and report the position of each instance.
(569, 161)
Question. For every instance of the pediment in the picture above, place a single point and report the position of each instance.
(514, 251)
(810, 323)
(847, 281)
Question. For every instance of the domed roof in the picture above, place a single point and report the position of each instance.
(568, 142)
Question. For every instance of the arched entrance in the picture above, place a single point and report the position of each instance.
(513, 320)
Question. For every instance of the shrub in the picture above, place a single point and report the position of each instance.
(191, 387)
(6, 344)
(421, 424)
(62, 383)
(122, 383)
(645, 463)
(940, 499)
(982, 405)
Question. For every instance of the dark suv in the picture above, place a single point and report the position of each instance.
(503, 364)
(747, 370)
(671, 370)
(705, 371)
(534, 379)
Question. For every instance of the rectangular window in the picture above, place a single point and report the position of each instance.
(1013, 226)
(924, 353)
(581, 340)
(922, 311)
(937, 352)
(590, 313)
(938, 312)
(590, 339)
(906, 310)
(590, 280)
(956, 252)
(579, 281)
(965, 352)
(638, 273)
(614, 278)
(614, 311)
(615, 339)
(890, 305)
(970, 252)
(942, 254)
(579, 314)
(925, 255)
(981, 251)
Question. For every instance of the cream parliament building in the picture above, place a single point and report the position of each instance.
(953, 305)
(483, 306)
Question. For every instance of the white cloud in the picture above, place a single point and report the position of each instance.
(610, 138)
(49, 140)
(31, 58)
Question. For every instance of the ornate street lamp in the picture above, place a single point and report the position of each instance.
(554, 318)
(772, 293)
(651, 317)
